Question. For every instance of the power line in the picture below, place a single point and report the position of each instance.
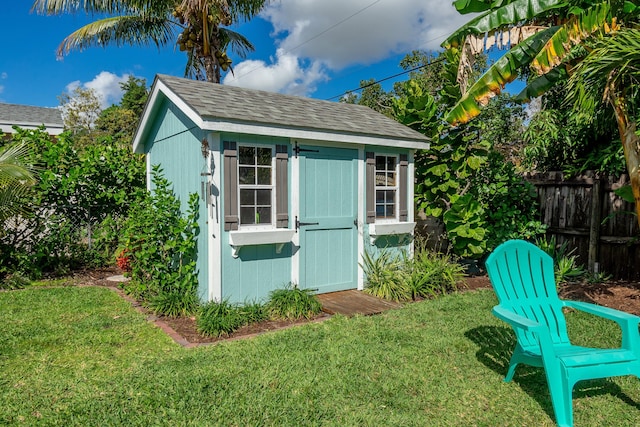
(386, 78)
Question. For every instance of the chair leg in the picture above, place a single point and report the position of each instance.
(512, 370)
(562, 399)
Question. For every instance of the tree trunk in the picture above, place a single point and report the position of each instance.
(212, 72)
(631, 146)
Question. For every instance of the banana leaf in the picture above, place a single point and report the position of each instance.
(510, 14)
(577, 28)
(491, 83)
(541, 84)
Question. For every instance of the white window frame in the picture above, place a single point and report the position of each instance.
(271, 186)
(396, 188)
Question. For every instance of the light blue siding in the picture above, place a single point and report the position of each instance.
(176, 147)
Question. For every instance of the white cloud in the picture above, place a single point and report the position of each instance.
(106, 86)
(316, 37)
(3, 75)
(340, 33)
(286, 75)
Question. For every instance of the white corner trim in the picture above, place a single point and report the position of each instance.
(389, 228)
(277, 236)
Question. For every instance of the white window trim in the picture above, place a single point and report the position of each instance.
(272, 187)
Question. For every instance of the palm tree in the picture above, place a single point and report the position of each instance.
(588, 43)
(199, 27)
(16, 178)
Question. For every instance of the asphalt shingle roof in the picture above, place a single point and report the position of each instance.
(15, 114)
(215, 101)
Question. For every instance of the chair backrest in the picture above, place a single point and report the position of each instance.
(522, 276)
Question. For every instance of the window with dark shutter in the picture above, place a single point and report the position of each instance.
(387, 187)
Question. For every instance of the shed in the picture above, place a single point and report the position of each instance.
(28, 117)
(292, 189)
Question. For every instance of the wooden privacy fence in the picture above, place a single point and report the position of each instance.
(585, 212)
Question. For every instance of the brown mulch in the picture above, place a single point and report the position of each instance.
(620, 295)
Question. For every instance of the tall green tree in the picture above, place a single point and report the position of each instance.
(551, 38)
(199, 27)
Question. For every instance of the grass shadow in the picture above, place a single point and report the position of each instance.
(496, 345)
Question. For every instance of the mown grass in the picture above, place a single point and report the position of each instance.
(82, 356)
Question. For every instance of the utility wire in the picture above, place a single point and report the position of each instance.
(386, 78)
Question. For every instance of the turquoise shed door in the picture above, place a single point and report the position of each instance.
(327, 222)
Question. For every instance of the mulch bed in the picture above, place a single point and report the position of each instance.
(620, 295)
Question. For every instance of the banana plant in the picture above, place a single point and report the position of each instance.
(579, 35)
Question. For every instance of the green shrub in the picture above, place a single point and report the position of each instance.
(253, 312)
(162, 245)
(215, 319)
(566, 268)
(402, 278)
(385, 276)
(293, 303)
(14, 281)
(174, 303)
(433, 274)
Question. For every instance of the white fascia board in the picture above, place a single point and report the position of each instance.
(50, 129)
(285, 132)
(158, 88)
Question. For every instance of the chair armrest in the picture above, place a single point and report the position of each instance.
(516, 320)
(628, 322)
(606, 312)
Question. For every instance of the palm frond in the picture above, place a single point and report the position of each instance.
(238, 43)
(507, 14)
(611, 69)
(491, 83)
(120, 30)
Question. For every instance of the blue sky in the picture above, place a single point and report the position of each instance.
(314, 48)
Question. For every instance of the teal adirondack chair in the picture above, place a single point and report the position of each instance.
(523, 279)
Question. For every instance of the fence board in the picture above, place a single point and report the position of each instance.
(585, 212)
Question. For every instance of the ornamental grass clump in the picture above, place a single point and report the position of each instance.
(215, 319)
(397, 276)
(293, 303)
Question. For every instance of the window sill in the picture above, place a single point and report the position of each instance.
(277, 236)
(388, 229)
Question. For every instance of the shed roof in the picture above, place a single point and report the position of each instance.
(227, 108)
(29, 117)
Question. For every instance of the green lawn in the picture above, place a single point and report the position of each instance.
(83, 356)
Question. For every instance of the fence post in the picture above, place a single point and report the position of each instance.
(594, 229)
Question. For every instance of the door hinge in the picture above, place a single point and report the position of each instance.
(302, 224)
(297, 150)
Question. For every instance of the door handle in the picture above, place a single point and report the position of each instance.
(301, 224)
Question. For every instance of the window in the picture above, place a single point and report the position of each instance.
(255, 183)
(386, 177)
(387, 189)
(255, 186)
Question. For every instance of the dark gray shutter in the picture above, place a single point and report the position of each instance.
(282, 187)
(370, 183)
(230, 186)
(402, 179)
